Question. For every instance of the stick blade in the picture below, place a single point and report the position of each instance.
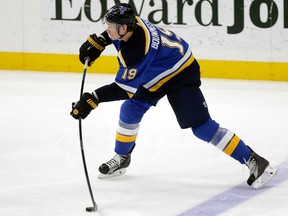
(92, 209)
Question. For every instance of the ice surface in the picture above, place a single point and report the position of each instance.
(172, 172)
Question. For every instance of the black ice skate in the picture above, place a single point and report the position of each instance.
(260, 171)
(114, 167)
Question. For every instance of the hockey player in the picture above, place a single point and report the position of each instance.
(154, 62)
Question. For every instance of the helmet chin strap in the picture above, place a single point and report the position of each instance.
(118, 31)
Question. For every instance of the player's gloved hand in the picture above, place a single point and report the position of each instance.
(91, 48)
(84, 106)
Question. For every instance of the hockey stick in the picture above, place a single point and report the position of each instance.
(94, 208)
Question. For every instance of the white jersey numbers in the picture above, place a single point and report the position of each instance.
(129, 74)
(166, 41)
(172, 44)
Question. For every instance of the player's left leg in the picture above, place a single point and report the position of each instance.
(131, 114)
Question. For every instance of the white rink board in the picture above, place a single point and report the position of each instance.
(31, 27)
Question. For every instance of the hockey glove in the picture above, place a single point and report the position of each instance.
(84, 106)
(91, 48)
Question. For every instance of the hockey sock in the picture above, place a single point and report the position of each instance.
(223, 139)
(125, 137)
(131, 114)
(231, 144)
(206, 131)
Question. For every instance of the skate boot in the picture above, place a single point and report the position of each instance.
(260, 171)
(114, 167)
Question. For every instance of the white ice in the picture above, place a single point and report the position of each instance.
(172, 172)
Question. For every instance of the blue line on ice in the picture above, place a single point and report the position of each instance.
(236, 195)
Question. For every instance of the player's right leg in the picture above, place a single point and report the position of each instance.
(260, 170)
(191, 110)
(228, 142)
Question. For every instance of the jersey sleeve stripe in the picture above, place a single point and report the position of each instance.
(162, 78)
(130, 90)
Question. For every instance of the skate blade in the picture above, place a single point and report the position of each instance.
(115, 174)
(264, 178)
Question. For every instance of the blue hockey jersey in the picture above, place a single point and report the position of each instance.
(166, 55)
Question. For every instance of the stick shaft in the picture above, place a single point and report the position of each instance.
(81, 140)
